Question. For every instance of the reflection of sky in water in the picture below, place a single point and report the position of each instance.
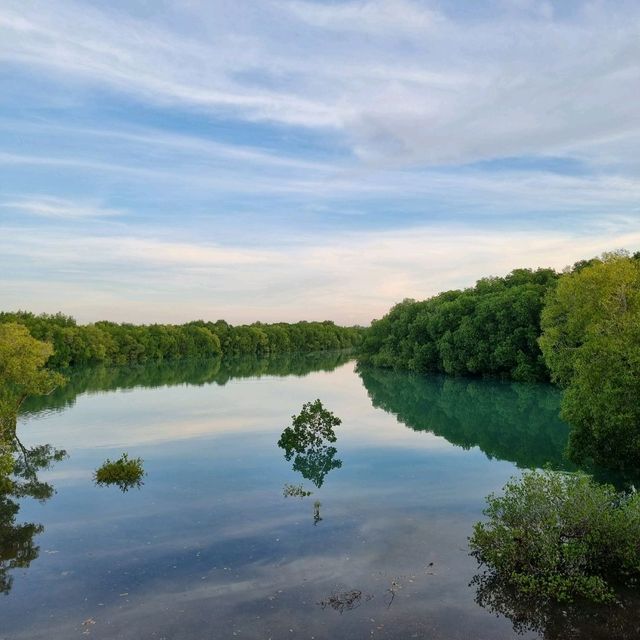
(209, 546)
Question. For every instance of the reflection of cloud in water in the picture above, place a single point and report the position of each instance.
(281, 594)
(276, 566)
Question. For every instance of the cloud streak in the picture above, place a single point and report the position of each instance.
(59, 208)
(445, 90)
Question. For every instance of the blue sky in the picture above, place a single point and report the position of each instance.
(166, 160)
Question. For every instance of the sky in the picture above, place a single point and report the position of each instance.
(281, 160)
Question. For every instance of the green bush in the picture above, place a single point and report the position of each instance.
(561, 536)
(123, 473)
(591, 343)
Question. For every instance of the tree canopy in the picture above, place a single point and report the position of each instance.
(22, 361)
(112, 343)
(22, 374)
(591, 342)
(490, 329)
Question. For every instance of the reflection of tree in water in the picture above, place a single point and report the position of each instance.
(20, 480)
(306, 442)
(315, 463)
(506, 420)
(17, 549)
(512, 421)
(191, 372)
(552, 621)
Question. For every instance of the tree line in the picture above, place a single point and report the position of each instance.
(120, 344)
(489, 329)
(579, 328)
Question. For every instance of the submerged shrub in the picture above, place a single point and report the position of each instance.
(561, 536)
(123, 473)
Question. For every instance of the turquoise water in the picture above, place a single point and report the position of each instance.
(209, 547)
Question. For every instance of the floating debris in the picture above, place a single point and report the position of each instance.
(87, 625)
(393, 588)
(345, 601)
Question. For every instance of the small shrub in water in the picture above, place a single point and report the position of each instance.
(306, 442)
(309, 429)
(123, 473)
(561, 536)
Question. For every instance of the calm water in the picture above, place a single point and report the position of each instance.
(210, 548)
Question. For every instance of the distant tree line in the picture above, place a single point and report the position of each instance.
(118, 344)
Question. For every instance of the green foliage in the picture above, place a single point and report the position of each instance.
(306, 439)
(507, 420)
(120, 344)
(22, 373)
(591, 342)
(123, 473)
(310, 428)
(560, 536)
(490, 329)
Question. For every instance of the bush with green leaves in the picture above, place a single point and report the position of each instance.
(123, 473)
(591, 343)
(561, 536)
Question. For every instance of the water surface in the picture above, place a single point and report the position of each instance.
(209, 547)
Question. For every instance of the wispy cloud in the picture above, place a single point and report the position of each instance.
(517, 82)
(387, 18)
(184, 163)
(53, 207)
